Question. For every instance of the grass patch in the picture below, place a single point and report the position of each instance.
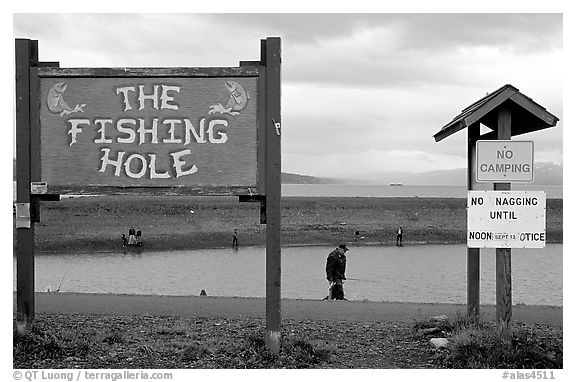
(171, 331)
(443, 326)
(194, 352)
(51, 344)
(43, 343)
(294, 353)
(109, 342)
(478, 346)
(113, 338)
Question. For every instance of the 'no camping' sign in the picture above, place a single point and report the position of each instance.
(504, 161)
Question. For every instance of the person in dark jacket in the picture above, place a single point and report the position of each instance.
(336, 272)
(399, 237)
(131, 236)
(235, 238)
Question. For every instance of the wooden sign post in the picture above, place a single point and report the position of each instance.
(507, 112)
(271, 51)
(207, 131)
(504, 255)
(473, 254)
(26, 61)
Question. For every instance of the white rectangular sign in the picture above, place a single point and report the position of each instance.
(506, 219)
(504, 161)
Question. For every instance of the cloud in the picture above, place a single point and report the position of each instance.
(518, 33)
(410, 31)
(357, 89)
(360, 50)
(145, 40)
(365, 50)
(364, 165)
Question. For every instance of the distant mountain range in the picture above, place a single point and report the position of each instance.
(289, 178)
(544, 174)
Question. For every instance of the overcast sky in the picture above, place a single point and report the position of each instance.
(361, 93)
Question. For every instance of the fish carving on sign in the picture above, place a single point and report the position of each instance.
(236, 103)
(56, 103)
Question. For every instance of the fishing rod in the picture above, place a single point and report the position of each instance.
(61, 281)
(365, 280)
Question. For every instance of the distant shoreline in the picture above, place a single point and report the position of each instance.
(341, 190)
(178, 222)
(405, 190)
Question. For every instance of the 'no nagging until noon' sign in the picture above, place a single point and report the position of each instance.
(506, 219)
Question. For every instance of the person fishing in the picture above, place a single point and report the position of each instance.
(336, 272)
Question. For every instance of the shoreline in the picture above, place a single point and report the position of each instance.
(255, 307)
(144, 248)
(176, 222)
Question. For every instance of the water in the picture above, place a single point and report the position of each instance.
(423, 273)
(354, 190)
(380, 191)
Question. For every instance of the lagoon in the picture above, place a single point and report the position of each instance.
(385, 191)
(413, 273)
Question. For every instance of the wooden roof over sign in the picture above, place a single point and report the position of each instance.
(527, 115)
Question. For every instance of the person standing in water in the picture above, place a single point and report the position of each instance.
(235, 238)
(336, 272)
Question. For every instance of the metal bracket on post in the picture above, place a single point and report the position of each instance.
(23, 215)
(39, 192)
(278, 127)
(256, 198)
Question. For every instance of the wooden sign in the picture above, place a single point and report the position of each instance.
(213, 131)
(146, 131)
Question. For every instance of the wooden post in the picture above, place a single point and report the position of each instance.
(473, 259)
(504, 255)
(271, 57)
(26, 57)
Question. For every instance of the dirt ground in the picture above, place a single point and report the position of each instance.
(95, 331)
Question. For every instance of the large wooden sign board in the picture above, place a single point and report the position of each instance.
(147, 132)
(150, 128)
(210, 131)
